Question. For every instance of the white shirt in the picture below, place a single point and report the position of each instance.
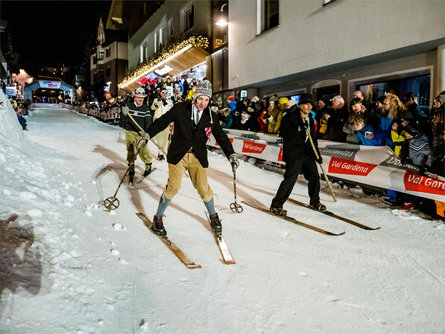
(197, 114)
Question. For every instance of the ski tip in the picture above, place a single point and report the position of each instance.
(229, 262)
(194, 266)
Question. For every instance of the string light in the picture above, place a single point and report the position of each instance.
(149, 65)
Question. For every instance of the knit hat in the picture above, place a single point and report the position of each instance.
(231, 98)
(306, 98)
(283, 100)
(140, 92)
(204, 87)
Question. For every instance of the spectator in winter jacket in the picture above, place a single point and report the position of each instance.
(332, 122)
(276, 114)
(353, 125)
(225, 118)
(438, 131)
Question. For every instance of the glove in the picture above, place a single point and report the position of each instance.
(125, 110)
(319, 160)
(140, 143)
(144, 135)
(234, 161)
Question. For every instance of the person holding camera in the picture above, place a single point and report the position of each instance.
(193, 122)
(298, 154)
(142, 116)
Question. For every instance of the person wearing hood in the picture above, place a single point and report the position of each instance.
(193, 124)
(298, 154)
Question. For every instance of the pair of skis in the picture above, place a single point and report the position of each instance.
(312, 227)
(223, 248)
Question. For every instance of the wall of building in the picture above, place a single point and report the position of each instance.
(172, 11)
(312, 36)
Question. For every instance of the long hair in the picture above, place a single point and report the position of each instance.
(396, 107)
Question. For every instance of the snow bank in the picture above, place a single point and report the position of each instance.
(10, 130)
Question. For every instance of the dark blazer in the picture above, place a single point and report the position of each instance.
(186, 135)
(293, 132)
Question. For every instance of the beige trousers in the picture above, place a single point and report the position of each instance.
(144, 153)
(198, 176)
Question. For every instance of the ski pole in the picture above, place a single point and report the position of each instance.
(308, 134)
(235, 207)
(112, 203)
(158, 146)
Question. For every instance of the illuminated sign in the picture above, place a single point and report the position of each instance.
(50, 84)
(164, 70)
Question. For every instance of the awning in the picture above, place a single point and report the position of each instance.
(178, 57)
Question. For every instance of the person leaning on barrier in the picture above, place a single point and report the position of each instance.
(142, 116)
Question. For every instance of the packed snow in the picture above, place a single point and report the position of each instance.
(69, 266)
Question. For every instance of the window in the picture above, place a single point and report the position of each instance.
(95, 77)
(100, 54)
(108, 52)
(95, 59)
(267, 14)
(327, 2)
(271, 11)
(189, 18)
(108, 72)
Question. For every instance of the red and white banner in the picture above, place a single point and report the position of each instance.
(369, 165)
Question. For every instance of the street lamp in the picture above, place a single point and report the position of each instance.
(222, 22)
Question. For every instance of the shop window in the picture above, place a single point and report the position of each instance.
(419, 85)
(108, 72)
(189, 18)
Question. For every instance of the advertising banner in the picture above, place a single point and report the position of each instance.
(369, 165)
(50, 84)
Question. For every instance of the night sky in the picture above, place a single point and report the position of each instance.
(51, 33)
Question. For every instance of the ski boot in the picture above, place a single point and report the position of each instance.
(319, 207)
(131, 172)
(161, 157)
(278, 211)
(158, 226)
(147, 169)
(215, 224)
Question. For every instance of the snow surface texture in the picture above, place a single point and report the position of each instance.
(68, 266)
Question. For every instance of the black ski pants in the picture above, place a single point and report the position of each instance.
(307, 165)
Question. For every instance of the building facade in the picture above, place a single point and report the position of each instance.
(108, 60)
(178, 38)
(288, 47)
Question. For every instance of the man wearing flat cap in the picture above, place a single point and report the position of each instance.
(142, 116)
(298, 154)
(193, 124)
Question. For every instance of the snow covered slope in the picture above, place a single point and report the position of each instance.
(68, 266)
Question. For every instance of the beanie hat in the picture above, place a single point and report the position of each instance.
(231, 98)
(283, 100)
(306, 98)
(255, 99)
(140, 92)
(204, 87)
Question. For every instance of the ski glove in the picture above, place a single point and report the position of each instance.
(319, 160)
(125, 110)
(234, 161)
(144, 135)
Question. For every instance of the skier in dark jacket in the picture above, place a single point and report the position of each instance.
(141, 114)
(193, 124)
(298, 154)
